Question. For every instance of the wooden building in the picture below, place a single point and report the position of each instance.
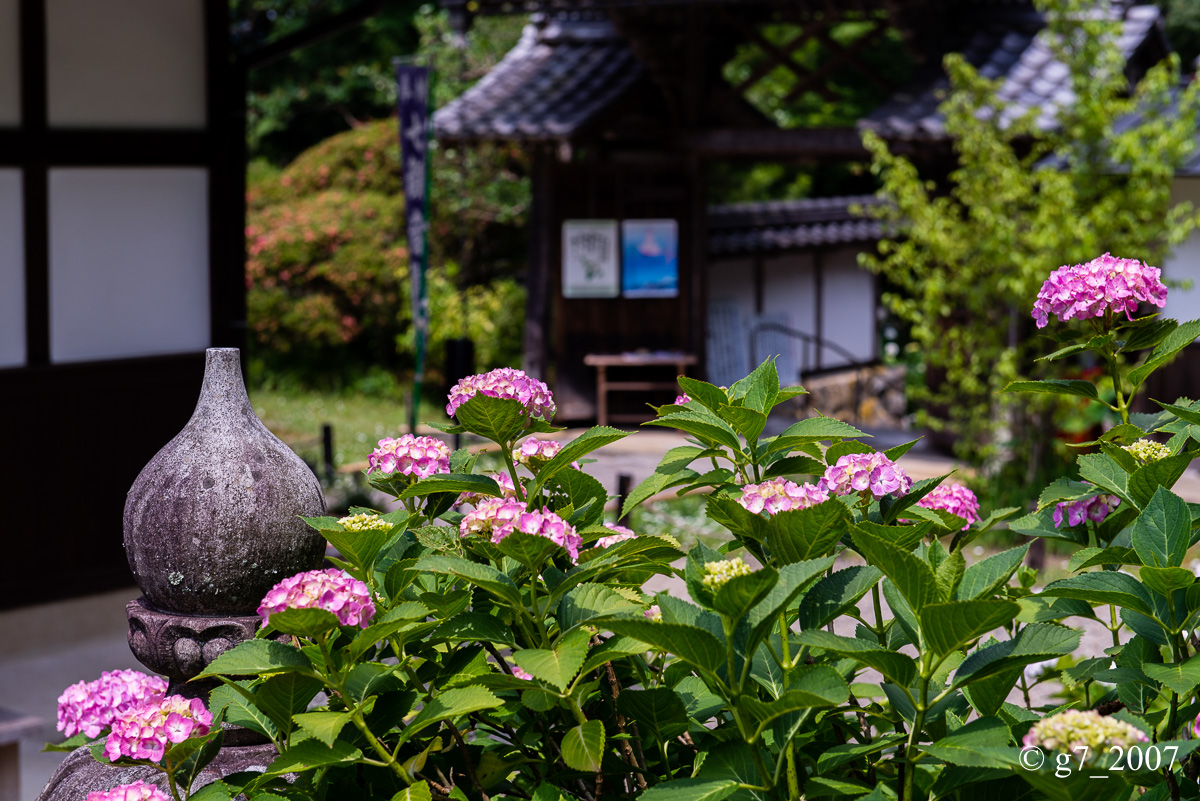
(622, 106)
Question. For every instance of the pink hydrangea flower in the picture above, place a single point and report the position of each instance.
(506, 486)
(144, 731)
(536, 451)
(955, 499)
(90, 707)
(491, 514)
(519, 673)
(411, 456)
(499, 518)
(505, 382)
(780, 495)
(138, 791)
(857, 472)
(1075, 292)
(1095, 508)
(683, 399)
(622, 534)
(332, 590)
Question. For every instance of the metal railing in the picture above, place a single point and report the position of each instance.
(813, 344)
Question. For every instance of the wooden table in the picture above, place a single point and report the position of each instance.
(602, 361)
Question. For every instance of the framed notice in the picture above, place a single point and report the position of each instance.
(650, 254)
(591, 265)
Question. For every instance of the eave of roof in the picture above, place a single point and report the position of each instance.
(783, 225)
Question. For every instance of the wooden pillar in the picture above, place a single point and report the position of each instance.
(698, 268)
(538, 281)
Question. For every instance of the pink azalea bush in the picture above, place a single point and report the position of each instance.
(505, 382)
(1095, 508)
(144, 731)
(780, 495)
(858, 472)
(90, 707)
(955, 499)
(1076, 292)
(332, 590)
(622, 534)
(138, 791)
(410, 455)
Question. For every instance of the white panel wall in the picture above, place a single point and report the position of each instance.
(125, 63)
(128, 262)
(849, 316)
(731, 281)
(12, 271)
(789, 287)
(10, 67)
(1184, 263)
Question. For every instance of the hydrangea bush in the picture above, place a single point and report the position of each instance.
(493, 637)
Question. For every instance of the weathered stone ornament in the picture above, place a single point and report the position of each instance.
(211, 524)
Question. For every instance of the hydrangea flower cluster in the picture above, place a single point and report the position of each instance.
(506, 487)
(683, 399)
(857, 472)
(144, 731)
(1075, 292)
(622, 534)
(501, 517)
(90, 707)
(536, 451)
(332, 590)
(781, 495)
(718, 574)
(653, 614)
(138, 791)
(1075, 728)
(364, 522)
(1147, 451)
(412, 456)
(1095, 508)
(955, 499)
(505, 382)
(520, 673)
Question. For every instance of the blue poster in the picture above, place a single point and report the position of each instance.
(650, 263)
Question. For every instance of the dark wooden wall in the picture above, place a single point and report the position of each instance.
(653, 188)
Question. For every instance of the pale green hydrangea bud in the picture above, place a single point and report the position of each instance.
(365, 522)
(1074, 729)
(1147, 451)
(718, 574)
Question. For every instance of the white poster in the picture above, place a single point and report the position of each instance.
(590, 262)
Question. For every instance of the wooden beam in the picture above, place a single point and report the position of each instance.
(775, 143)
(843, 56)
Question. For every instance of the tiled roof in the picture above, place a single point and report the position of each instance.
(559, 77)
(1017, 52)
(778, 225)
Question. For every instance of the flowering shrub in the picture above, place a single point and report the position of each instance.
(419, 457)
(138, 791)
(331, 590)
(90, 707)
(1103, 286)
(513, 650)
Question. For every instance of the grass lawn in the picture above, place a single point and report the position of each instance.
(359, 420)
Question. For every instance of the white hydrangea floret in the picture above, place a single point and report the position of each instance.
(1147, 451)
(364, 521)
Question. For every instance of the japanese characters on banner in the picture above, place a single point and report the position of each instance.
(412, 107)
(591, 260)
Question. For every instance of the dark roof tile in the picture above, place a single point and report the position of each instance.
(779, 225)
(557, 79)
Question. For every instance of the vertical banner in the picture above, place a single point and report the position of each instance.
(412, 107)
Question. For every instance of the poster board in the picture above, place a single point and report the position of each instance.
(590, 259)
(650, 251)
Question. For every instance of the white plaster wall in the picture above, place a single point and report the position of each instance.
(10, 67)
(12, 271)
(849, 316)
(1184, 263)
(125, 63)
(731, 281)
(789, 287)
(128, 262)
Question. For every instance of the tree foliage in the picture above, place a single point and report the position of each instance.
(967, 255)
(327, 264)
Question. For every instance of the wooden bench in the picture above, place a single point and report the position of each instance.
(602, 361)
(14, 727)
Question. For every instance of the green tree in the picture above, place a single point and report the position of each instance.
(967, 256)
